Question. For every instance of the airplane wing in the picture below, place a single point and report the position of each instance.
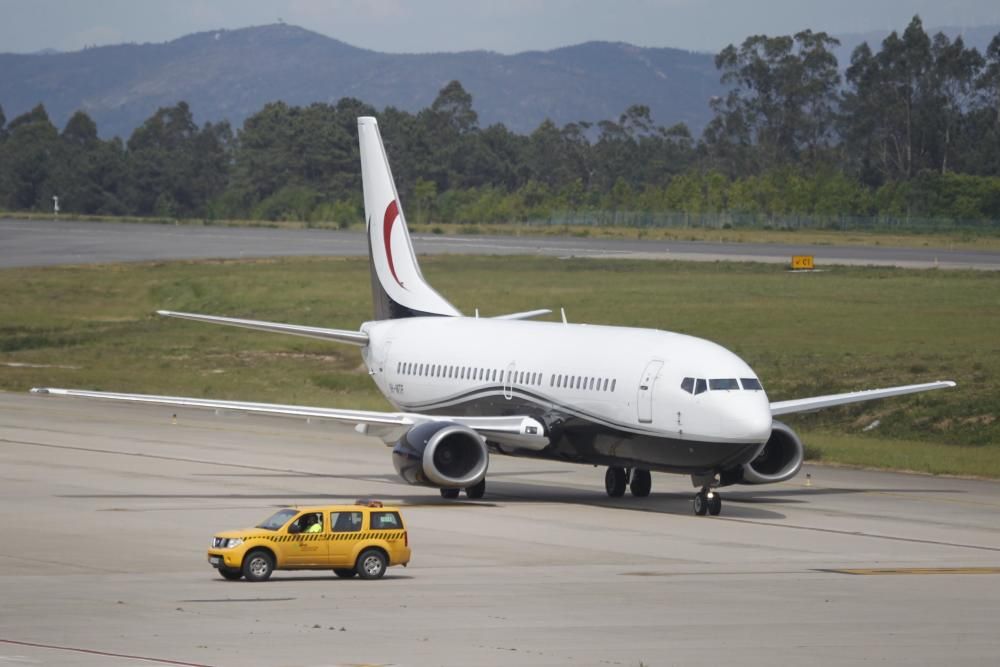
(516, 431)
(819, 402)
(358, 338)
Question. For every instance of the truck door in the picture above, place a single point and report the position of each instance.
(306, 549)
(346, 531)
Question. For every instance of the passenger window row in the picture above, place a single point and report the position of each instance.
(508, 376)
(468, 373)
(699, 385)
(582, 383)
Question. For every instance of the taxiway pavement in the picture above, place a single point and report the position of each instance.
(106, 512)
(46, 243)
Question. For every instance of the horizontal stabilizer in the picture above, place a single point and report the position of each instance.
(820, 402)
(359, 338)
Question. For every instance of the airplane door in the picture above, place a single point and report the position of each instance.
(646, 384)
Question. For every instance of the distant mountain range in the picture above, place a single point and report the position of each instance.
(230, 74)
(233, 73)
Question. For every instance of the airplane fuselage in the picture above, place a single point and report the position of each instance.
(610, 395)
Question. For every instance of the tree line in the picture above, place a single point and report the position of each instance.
(910, 130)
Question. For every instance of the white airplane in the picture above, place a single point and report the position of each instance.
(634, 400)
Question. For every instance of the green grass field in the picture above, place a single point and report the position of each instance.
(805, 334)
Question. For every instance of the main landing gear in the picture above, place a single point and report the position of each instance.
(639, 481)
(475, 492)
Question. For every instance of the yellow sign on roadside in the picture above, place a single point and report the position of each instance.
(802, 263)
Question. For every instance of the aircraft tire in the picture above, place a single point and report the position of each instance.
(476, 491)
(614, 481)
(715, 504)
(450, 494)
(641, 484)
(700, 504)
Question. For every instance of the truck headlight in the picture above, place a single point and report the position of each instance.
(226, 542)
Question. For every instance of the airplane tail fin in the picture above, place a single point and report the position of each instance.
(398, 287)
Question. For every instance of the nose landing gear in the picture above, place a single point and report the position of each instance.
(707, 501)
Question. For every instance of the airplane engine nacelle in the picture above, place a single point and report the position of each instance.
(444, 455)
(778, 461)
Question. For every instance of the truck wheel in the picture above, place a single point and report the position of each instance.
(258, 566)
(371, 564)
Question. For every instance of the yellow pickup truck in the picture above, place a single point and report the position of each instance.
(362, 539)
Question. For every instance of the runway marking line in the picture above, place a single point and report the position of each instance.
(868, 571)
(893, 494)
(72, 649)
(243, 600)
(933, 499)
(855, 533)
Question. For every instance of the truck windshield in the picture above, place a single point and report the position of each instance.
(277, 520)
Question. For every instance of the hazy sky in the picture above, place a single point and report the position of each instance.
(507, 26)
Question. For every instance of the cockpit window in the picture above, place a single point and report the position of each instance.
(723, 384)
(698, 385)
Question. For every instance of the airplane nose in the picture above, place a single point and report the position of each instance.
(759, 424)
(752, 423)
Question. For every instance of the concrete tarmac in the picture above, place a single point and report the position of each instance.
(106, 512)
(46, 243)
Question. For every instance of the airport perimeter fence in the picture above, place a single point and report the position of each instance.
(790, 222)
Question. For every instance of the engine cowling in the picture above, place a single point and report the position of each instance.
(442, 454)
(779, 460)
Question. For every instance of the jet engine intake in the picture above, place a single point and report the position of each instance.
(442, 454)
(779, 460)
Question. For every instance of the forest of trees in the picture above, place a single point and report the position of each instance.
(910, 131)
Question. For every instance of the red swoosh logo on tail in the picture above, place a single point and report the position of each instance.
(391, 213)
